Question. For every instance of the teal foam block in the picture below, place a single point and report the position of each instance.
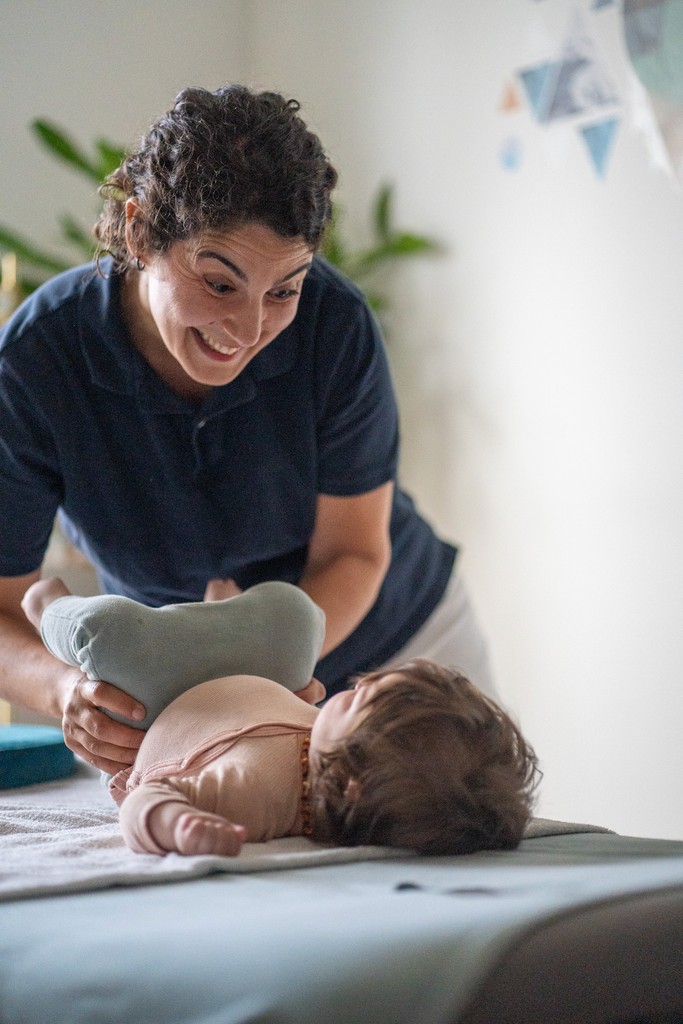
(30, 754)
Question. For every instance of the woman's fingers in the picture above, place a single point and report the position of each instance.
(109, 698)
(313, 693)
(221, 590)
(93, 735)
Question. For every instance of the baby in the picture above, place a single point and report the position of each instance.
(415, 757)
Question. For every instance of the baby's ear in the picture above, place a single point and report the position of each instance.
(352, 791)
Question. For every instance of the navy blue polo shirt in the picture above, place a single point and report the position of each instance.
(162, 495)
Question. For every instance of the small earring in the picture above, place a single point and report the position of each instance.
(139, 264)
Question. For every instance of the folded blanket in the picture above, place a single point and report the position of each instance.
(50, 849)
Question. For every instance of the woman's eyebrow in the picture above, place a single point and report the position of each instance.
(240, 273)
(299, 270)
(226, 262)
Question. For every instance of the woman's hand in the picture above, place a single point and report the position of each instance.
(220, 590)
(33, 678)
(313, 693)
(89, 732)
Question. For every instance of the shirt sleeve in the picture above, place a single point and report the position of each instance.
(358, 434)
(30, 484)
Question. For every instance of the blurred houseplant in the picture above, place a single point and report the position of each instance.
(363, 266)
(35, 264)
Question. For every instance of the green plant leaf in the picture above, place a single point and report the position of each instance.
(411, 245)
(383, 212)
(29, 253)
(377, 303)
(29, 284)
(78, 236)
(397, 247)
(111, 156)
(333, 248)
(57, 142)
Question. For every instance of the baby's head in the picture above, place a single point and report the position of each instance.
(417, 757)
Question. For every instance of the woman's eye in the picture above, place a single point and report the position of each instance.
(219, 287)
(283, 294)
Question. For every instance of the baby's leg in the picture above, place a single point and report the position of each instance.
(39, 596)
(273, 630)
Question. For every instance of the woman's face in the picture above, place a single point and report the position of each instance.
(209, 305)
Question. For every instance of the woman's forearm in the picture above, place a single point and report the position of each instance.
(348, 556)
(346, 589)
(29, 675)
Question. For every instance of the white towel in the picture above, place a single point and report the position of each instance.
(64, 837)
(67, 849)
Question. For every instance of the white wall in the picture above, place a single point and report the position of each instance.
(538, 362)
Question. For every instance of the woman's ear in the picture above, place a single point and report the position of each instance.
(134, 216)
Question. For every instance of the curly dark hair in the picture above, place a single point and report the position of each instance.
(216, 161)
(438, 768)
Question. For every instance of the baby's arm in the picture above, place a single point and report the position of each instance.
(157, 818)
(186, 830)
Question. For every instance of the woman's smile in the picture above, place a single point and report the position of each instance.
(210, 304)
(216, 348)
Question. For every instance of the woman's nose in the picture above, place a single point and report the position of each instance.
(244, 325)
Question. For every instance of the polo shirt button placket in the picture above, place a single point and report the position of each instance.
(198, 460)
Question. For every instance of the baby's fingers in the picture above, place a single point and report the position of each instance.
(197, 833)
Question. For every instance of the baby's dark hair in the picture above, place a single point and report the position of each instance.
(217, 161)
(437, 767)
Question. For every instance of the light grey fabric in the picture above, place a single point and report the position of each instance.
(273, 630)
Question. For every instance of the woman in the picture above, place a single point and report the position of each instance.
(210, 411)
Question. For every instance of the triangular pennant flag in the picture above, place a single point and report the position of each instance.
(599, 138)
(539, 84)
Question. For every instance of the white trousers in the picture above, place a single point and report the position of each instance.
(451, 637)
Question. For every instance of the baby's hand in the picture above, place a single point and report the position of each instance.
(198, 832)
(313, 693)
(220, 590)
